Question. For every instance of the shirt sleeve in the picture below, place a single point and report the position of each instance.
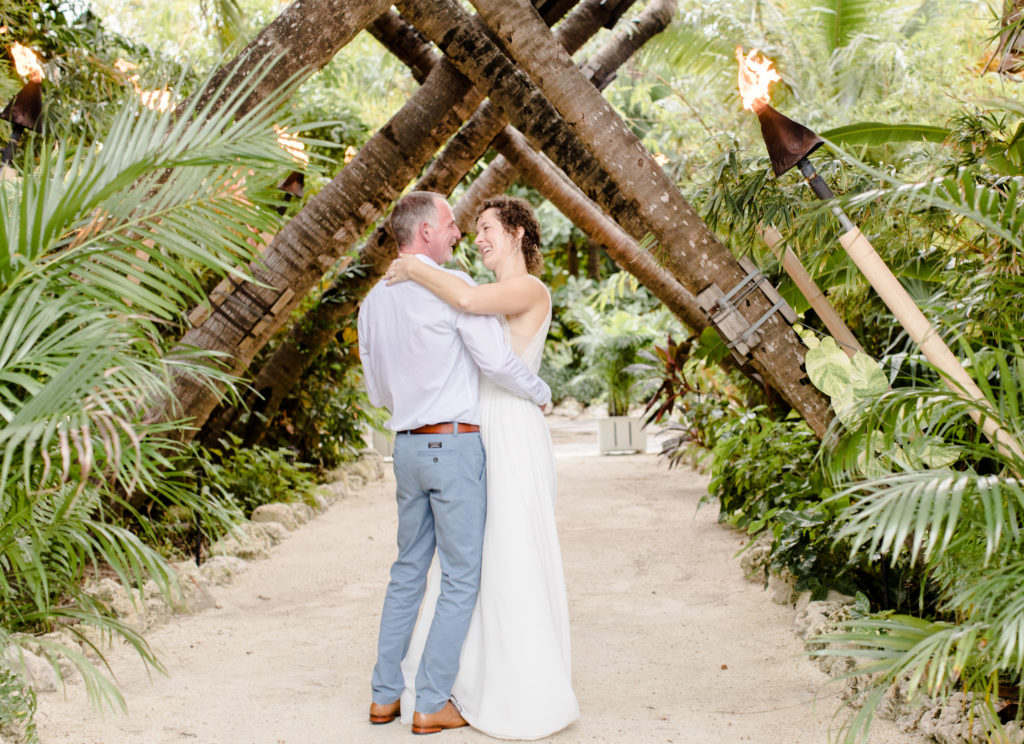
(483, 338)
(372, 388)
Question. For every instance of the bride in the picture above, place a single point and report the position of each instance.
(515, 674)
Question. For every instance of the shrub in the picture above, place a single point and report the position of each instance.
(323, 418)
(258, 475)
(17, 706)
(560, 369)
(765, 477)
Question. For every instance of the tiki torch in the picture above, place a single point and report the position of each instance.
(293, 186)
(790, 143)
(24, 109)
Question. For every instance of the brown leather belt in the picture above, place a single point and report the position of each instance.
(445, 428)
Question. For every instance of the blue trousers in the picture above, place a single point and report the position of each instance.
(442, 502)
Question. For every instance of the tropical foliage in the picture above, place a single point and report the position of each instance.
(253, 476)
(104, 245)
(944, 497)
(905, 501)
(120, 219)
(610, 340)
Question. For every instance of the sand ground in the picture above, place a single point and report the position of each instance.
(670, 642)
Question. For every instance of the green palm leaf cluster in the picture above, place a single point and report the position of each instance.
(612, 341)
(919, 493)
(104, 246)
(962, 519)
(963, 523)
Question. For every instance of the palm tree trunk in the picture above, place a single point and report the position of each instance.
(572, 258)
(601, 68)
(500, 174)
(310, 335)
(593, 260)
(573, 203)
(586, 138)
(578, 27)
(405, 42)
(249, 313)
(301, 40)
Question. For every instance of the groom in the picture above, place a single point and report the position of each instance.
(421, 360)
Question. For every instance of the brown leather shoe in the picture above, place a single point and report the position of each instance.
(431, 723)
(385, 712)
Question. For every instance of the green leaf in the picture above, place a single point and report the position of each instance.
(657, 92)
(829, 368)
(930, 452)
(810, 338)
(874, 133)
(710, 346)
(866, 377)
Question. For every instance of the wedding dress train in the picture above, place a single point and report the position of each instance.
(515, 673)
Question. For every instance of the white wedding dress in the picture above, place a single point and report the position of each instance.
(515, 673)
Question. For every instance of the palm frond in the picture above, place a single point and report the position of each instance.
(931, 654)
(838, 22)
(996, 600)
(995, 207)
(104, 244)
(929, 509)
(700, 41)
(102, 248)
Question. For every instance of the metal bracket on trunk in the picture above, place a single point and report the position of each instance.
(723, 309)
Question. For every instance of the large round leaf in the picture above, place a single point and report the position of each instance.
(829, 367)
(867, 378)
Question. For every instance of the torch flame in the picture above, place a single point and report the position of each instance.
(124, 66)
(26, 63)
(755, 74)
(292, 145)
(157, 100)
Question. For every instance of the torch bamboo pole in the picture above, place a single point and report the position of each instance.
(923, 333)
(807, 286)
(909, 315)
(786, 140)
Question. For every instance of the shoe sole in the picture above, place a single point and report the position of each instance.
(420, 730)
(377, 720)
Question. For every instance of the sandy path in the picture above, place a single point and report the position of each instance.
(670, 643)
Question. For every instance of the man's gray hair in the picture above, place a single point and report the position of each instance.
(411, 211)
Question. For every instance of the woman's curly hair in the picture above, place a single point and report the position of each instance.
(514, 212)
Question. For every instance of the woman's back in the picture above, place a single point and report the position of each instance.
(515, 677)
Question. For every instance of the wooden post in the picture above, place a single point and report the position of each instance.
(805, 283)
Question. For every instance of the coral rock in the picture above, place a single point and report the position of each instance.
(39, 673)
(221, 569)
(279, 513)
